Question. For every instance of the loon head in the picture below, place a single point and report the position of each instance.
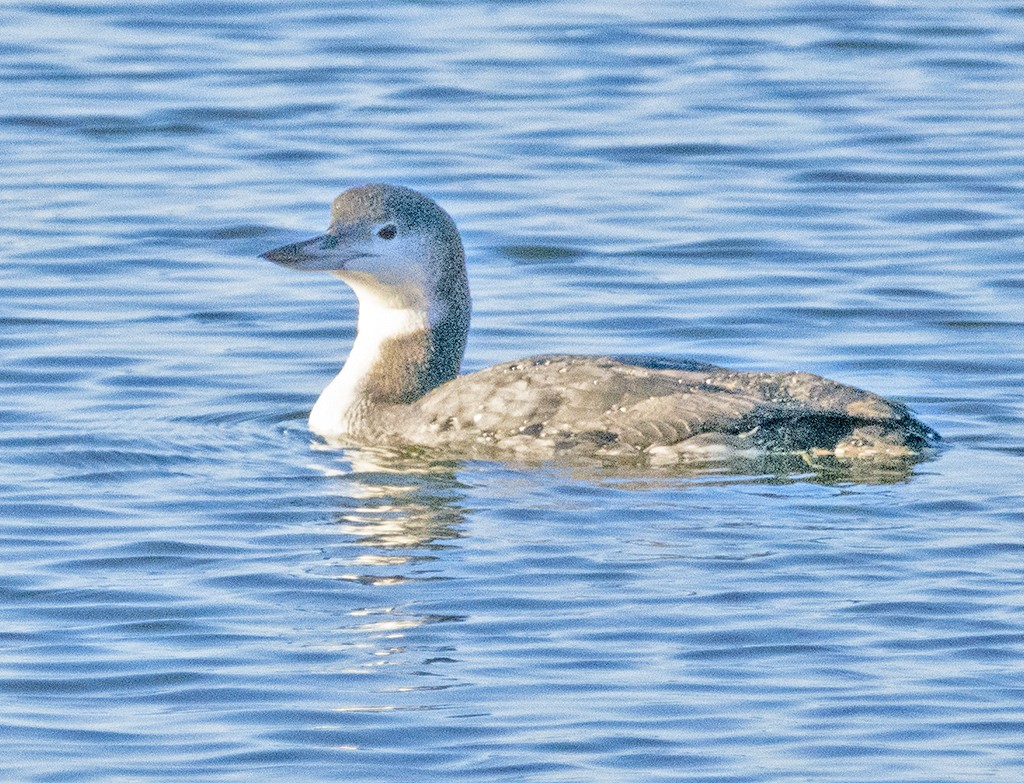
(390, 242)
(402, 255)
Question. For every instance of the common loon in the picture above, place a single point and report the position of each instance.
(400, 386)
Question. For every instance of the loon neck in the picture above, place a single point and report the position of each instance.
(407, 343)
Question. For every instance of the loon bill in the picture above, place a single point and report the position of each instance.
(400, 386)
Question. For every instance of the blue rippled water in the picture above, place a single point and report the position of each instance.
(192, 588)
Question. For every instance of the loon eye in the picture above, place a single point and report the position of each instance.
(388, 232)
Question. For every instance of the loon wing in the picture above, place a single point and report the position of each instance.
(602, 406)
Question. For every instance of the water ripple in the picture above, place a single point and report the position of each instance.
(194, 587)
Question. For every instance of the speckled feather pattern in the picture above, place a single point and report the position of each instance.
(593, 406)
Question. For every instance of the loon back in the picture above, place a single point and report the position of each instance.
(549, 406)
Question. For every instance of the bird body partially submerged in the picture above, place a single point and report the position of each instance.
(579, 406)
(402, 256)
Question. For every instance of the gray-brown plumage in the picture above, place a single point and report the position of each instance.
(402, 255)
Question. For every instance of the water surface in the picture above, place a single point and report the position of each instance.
(193, 588)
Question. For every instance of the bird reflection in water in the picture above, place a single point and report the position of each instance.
(399, 516)
(402, 505)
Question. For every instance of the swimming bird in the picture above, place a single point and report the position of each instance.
(400, 386)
